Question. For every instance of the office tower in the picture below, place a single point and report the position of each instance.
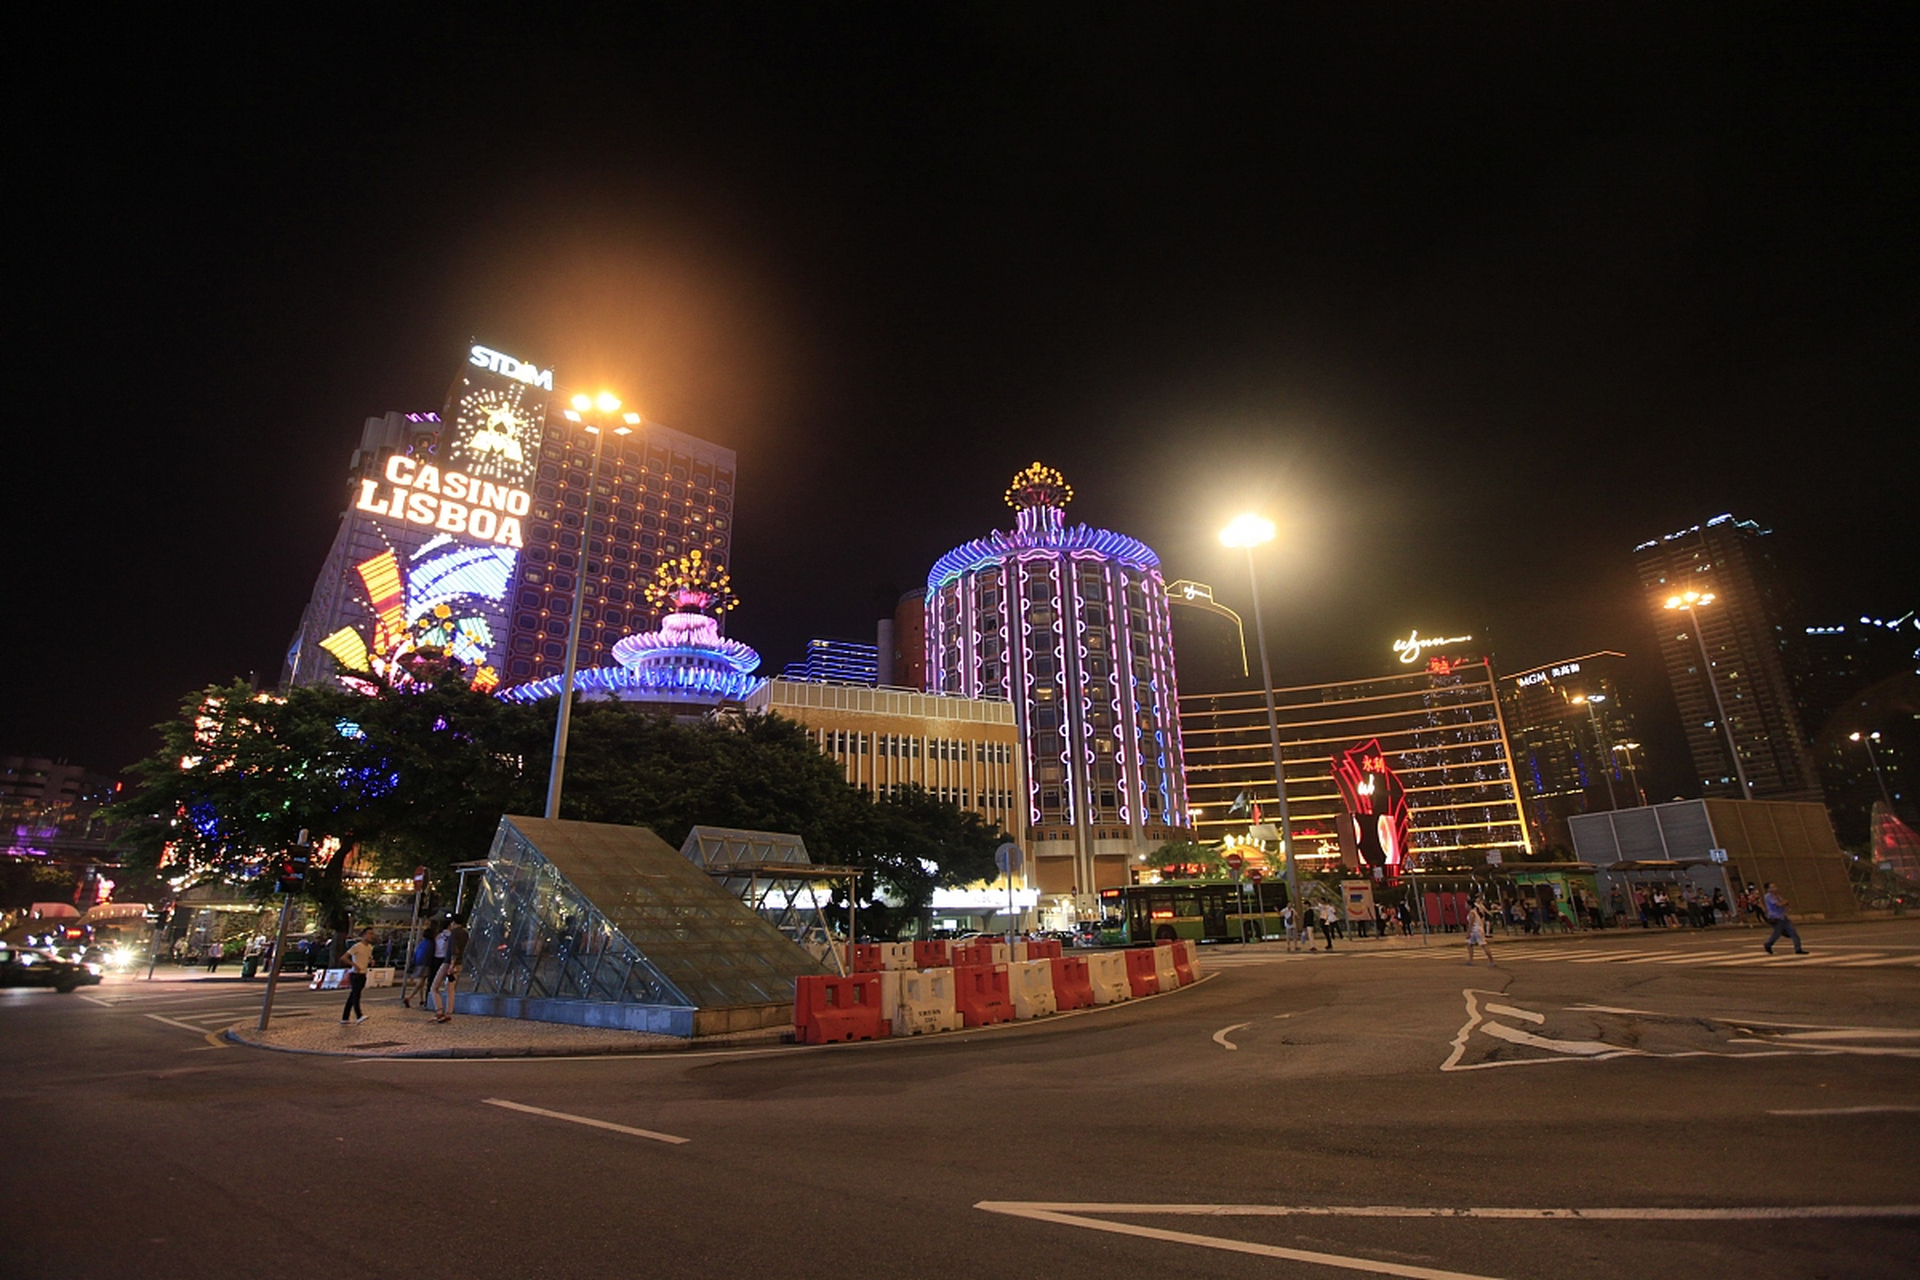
(1573, 740)
(1209, 640)
(1738, 618)
(1069, 624)
(836, 662)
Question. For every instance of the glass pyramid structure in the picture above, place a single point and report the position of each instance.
(609, 926)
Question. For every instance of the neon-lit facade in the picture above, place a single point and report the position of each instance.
(1376, 802)
(1070, 625)
(685, 663)
(476, 523)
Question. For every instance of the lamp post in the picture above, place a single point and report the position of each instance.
(1633, 770)
(1249, 531)
(1599, 748)
(1867, 740)
(1685, 602)
(603, 407)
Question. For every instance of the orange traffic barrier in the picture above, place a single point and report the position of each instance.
(1183, 962)
(827, 1008)
(1143, 974)
(980, 994)
(968, 953)
(937, 954)
(1044, 949)
(867, 957)
(1072, 984)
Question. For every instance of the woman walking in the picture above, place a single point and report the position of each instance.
(1477, 933)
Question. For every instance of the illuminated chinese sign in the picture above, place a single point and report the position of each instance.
(1560, 672)
(1376, 805)
(1414, 644)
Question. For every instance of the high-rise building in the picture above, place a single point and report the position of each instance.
(464, 531)
(1573, 742)
(1209, 640)
(1437, 727)
(910, 641)
(1069, 624)
(1744, 634)
(836, 662)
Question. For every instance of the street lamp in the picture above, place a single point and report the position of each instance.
(1685, 602)
(602, 407)
(1633, 770)
(1249, 531)
(1593, 699)
(1867, 740)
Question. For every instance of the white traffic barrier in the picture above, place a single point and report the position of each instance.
(1020, 950)
(896, 955)
(381, 977)
(923, 1003)
(1107, 971)
(327, 980)
(1031, 984)
(1002, 953)
(1164, 968)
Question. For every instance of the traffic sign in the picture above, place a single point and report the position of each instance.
(1008, 858)
(1235, 861)
(1256, 875)
(419, 879)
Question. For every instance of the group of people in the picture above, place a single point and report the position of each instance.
(433, 970)
(1299, 926)
(1688, 904)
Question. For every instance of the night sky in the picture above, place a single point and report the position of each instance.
(1471, 298)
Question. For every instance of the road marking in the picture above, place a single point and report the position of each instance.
(1750, 1213)
(1619, 955)
(1838, 1111)
(1853, 1033)
(1874, 963)
(1508, 1011)
(591, 1123)
(1220, 1036)
(1043, 1213)
(1585, 1048)
(174, 1022)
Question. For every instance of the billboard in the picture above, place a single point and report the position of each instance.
(442, 527)
(1376, 806)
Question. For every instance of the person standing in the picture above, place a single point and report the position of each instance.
(359, 959)
(215, 954)
(1287, 921)
(1782, 924)
(1477, 933)
(449, 976)
(420, 968)
(1326, 923)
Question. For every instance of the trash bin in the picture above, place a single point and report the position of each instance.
(249, 966)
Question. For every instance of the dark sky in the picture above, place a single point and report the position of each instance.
(1470, 297)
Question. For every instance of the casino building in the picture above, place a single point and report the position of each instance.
(1573, 742)
(1069, 624)
(465, 530)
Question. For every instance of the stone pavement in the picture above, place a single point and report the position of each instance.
(410, 1033)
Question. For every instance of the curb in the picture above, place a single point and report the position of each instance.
(690, 1045)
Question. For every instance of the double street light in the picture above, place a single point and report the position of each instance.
(1600, 749)
(1873, 758)
(1685, 603)
(1247, 532)
(596, 413)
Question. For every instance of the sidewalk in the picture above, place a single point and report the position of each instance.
(403, 1033)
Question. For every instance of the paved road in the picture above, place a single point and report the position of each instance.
(1748, 1120)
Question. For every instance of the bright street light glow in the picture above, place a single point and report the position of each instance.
(1688, 599)
(1247, 530)
(583, 402)
(606, 402)
(633, 418)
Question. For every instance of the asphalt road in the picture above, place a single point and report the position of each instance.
(1742, 1119)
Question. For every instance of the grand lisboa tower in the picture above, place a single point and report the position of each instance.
(1069, 623)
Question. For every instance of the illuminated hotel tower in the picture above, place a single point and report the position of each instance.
(1070, 624)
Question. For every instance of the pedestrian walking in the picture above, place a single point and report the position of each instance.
(359, 960)
(442, 944)
(1287, 923)
(420, 968)
(1782, 924)
(1477, 934)
(448, 978)
(215, 954)
(1326, 923)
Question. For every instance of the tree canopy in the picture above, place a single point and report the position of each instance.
(422, 776)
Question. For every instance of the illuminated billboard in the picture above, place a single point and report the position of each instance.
(1376, 804)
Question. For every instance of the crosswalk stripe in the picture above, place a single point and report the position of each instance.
(1876, 962)
(1619, 955)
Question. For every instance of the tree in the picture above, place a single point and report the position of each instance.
(1185, 860)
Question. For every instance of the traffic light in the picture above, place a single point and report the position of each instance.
(292, 870)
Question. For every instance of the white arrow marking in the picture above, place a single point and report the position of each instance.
(1220, 1036)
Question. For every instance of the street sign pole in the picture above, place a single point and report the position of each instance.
(1009, 859)
(279, 948)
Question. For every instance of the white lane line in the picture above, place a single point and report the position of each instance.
(1049, 1214)
(591, 1123)
(1874, 963)
(1220, 1036)
(1620, 955)
(1750, 1213)
(1851, 1033)
(1838, 1111)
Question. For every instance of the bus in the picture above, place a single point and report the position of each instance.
(1198, 910)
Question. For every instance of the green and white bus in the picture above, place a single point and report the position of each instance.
(1198, 910)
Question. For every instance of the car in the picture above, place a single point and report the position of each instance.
(32, 967)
